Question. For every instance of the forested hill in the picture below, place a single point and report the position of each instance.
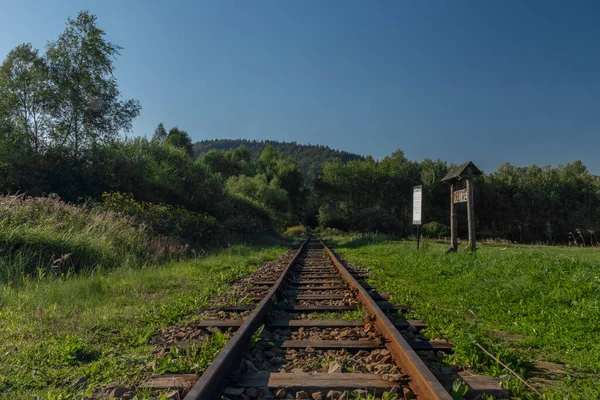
(310, 157)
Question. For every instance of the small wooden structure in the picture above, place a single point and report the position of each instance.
(464, 172)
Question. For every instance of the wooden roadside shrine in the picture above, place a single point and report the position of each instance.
(464, 172)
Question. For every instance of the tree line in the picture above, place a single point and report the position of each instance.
(520, 204)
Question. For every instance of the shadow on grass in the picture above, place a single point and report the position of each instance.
(362, 241)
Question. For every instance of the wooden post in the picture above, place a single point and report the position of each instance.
(471, 215)
(466, 171)
(453, 233)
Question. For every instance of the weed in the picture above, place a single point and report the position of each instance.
(459, 389)
(255, 338)
(193, 358)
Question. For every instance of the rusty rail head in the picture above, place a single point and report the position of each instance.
(213, 381)
(423, 382)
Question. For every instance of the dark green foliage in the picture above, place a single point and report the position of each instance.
(180, 139)
(160, 134)
(244, 217)
(532, 204)
(367, 195)
(165, 219)
(229, 163)
(374, 220)
(25, 92)
(435, 229)
(310, 158)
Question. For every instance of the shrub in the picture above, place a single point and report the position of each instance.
(165, 219)
(326, 220)
(242, 216)
(295, 232)
(434, 229)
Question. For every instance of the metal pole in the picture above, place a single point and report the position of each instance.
(418, 235)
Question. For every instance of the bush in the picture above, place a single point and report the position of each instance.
(326, 220)
(434, 229)
(242, 216)
(295, 232)
(165, 219)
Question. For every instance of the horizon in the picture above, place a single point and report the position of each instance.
(489, 82)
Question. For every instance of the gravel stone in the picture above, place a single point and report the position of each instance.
(230, 391)
(333, 395)
(446, 370)
(335, 368)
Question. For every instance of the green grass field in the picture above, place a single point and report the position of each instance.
(55, 331)
(537, 307)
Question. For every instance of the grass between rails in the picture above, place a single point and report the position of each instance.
(533, 306)
(55, 331)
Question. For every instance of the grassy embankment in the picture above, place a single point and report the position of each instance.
(537, 307)
(82, 291)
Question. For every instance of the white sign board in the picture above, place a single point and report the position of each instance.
(417, 198)
(460, 196)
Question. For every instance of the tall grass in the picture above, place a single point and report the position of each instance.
(45, 236)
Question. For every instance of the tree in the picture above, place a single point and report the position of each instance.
(228, 163)
(180, 139)
(265, 194)
(24, 91)
(284, 172)
(160, 133)
(86, 105)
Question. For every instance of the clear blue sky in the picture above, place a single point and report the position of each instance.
(490, 81)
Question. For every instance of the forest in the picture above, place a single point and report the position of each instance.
(62, 126)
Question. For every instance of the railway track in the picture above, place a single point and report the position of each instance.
(316, 331)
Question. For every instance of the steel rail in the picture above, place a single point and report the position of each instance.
(423, 383)
(212, 382)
